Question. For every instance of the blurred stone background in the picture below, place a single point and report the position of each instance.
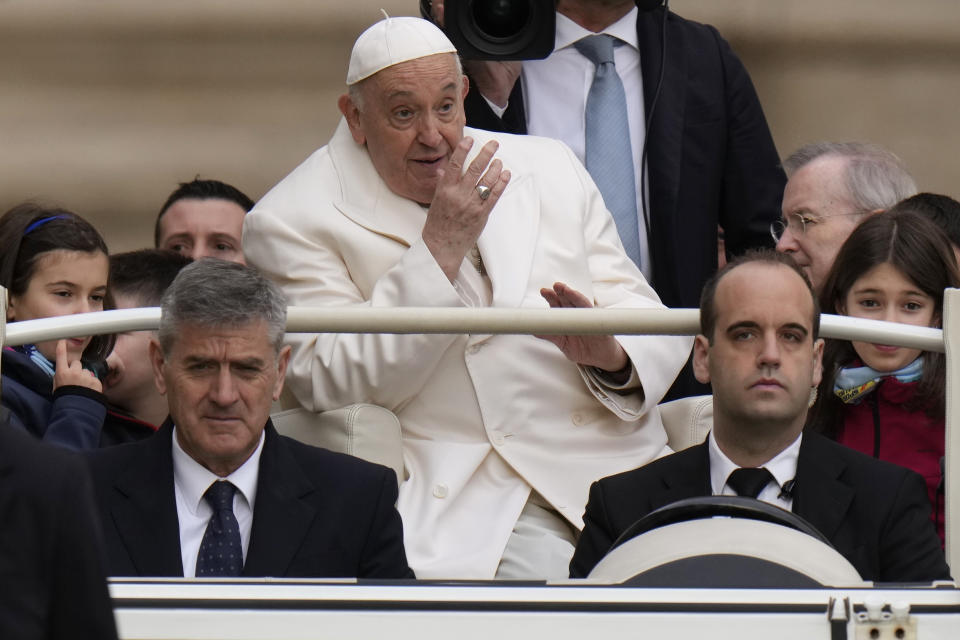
(106, 104)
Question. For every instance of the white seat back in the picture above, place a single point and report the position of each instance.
(687, 420)
(366, 431)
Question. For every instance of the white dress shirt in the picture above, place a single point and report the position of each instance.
(555, 96)
(782, 466)
(190, 482)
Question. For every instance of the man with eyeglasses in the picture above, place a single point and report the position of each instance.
(832, 187)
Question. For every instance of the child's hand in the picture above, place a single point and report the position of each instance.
(72, 373)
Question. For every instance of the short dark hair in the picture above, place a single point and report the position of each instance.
(29, 230)
(144, 275)
(708, 311)
(943, 210)
(198, 189)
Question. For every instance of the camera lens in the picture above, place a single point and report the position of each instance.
(501, 18)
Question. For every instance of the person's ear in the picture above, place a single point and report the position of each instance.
(351, 113)
(282, 361)
(817, 362)
(11, 303)
(466, 87)
(157, 362)
(701, 359)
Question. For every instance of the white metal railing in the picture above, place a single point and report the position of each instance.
(552, 321)
(484, 320)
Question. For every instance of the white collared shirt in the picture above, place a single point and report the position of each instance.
(190, 482)
(782, 466)
(555, 96)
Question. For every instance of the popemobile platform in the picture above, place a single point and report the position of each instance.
(808, 590)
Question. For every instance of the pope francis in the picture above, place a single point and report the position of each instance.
(502, 435)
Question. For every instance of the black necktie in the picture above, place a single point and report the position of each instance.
(220, 550)
(749, 482)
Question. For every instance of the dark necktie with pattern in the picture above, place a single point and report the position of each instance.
(749, 482)
(220, 551)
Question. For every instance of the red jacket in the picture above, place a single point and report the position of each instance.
(881, 427)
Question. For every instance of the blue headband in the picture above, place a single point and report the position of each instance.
(39, 223)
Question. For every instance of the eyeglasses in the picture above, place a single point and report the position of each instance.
(798, 223)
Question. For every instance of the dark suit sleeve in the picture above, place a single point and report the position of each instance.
(597, 536)
(753, 180)
(383, 555)
(909, 546)
(81, 605)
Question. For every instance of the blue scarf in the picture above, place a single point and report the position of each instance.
(853, 383)
(37, 358)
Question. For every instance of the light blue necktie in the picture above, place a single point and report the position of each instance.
(609, 158)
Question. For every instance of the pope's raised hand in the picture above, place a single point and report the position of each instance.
(462, 203)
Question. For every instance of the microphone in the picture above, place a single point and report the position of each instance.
(786, 491)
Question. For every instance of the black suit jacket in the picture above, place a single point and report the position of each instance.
(52, 580)
(317, 513)
(711, 158)
(877, 515)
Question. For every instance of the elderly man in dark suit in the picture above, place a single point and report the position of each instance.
(217, 492)
(759, 321)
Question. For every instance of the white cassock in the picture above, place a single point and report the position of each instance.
(484, 418)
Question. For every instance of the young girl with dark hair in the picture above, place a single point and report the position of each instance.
(887, 401)
(54, 263)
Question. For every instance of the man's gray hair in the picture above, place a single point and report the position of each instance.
(212, 293)
(355, 90)
(875, 177)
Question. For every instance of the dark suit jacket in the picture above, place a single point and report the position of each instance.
(711, 158)
(317, 513)
(52, 580)
(875, 514)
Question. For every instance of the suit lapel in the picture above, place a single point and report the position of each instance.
(281, 517)
(144, 509)
(821, 498)
(507, 243)
(688, 478)
(366, 199)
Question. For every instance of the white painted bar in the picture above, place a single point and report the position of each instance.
(483, 320)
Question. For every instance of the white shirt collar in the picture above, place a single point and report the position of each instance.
(782, 466)
(194, 479)
(624, 29)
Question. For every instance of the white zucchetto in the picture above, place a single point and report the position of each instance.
(392, 41)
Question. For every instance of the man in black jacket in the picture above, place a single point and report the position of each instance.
(758, 346)
(217, 492)
(710, 157)
(52, 582)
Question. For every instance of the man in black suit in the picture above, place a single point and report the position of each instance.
(711, 159)
(52, 582)
(759, 320)
(217, 492)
